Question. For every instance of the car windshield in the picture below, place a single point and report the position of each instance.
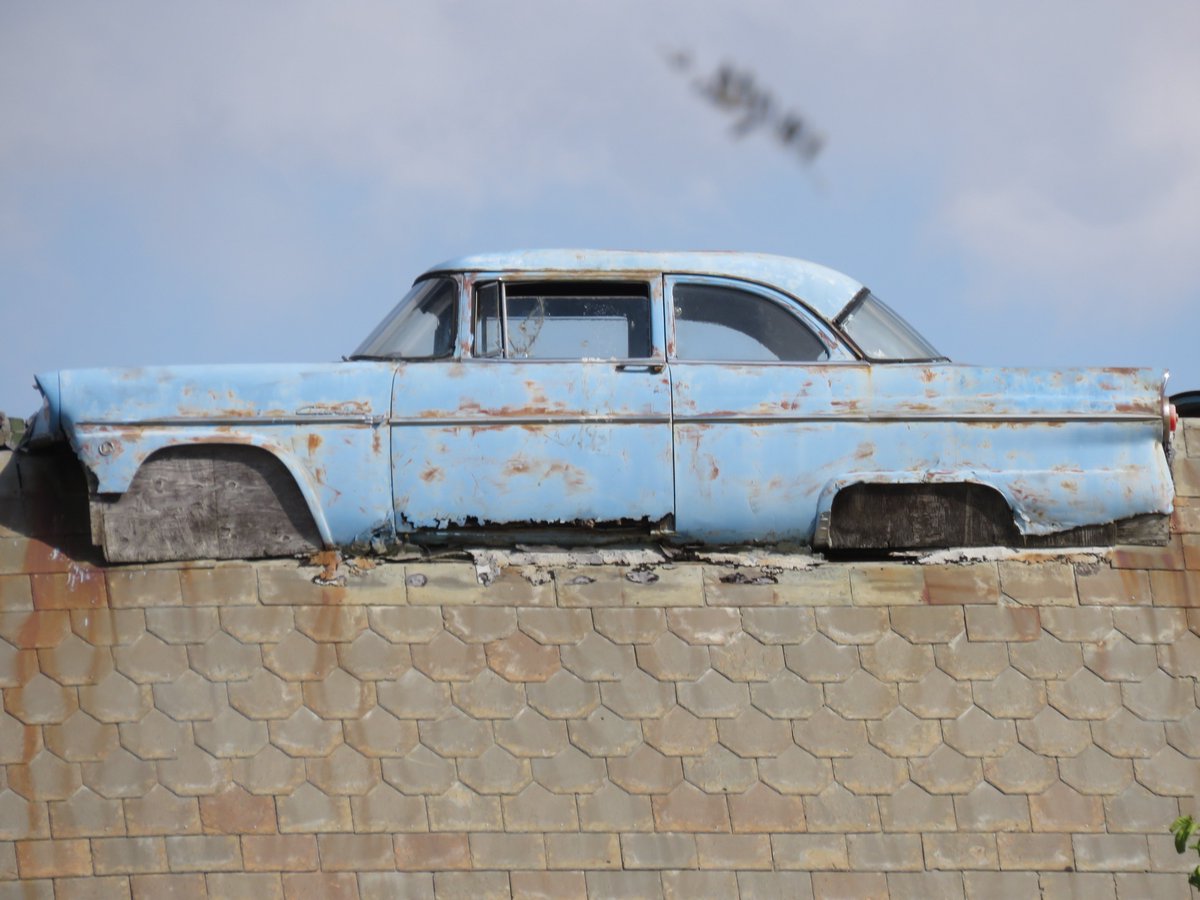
(421, 326)
(880, 333)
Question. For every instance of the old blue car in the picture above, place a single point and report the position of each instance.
(692, 398)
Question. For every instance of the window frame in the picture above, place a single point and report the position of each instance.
(835, 347)
(476, 281)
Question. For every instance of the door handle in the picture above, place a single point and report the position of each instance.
(639, 367)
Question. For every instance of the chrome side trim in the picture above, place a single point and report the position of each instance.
(972, 418)
(177, 421)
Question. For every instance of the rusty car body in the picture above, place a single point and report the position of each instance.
(694, 398)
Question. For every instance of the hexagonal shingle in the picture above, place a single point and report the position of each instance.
(529, 733)
(265, 696)
(975, 733)
(646, 771)
(1117, 658)
(1125, 735)
(414, 695)
(753, 734)
(892, 658)
(193, 772)
(779, 625)
(480, 624)
(44, 777)
(325, 624)
(461, 809)
(596, 658)
(1011, 695)
(936, 696)
(1047, 657)
(570, 771)
(495, 771)
(116, 699)
(852, 624)
(679, 733)
(1084, 696)
(421, 771)
(304, 733)
(373, 658)
(230, 734)
(299, 658)
(1050, 733)
(604, 733)
(638, 696)
(1095, 772)
(564, 626)
(861, 696)
(720, 771)
(1020, 771)
(270, 771)
(1160, 697)
(963, 659)
(80, 738)
(901, 734)
(538, 810)
(946, 771)
(670, 658)
(488, 696)
(520, 658)
(564, 696)
(828, 734)
(41, 701)
(343, 772)
(820, 659)
(150, 659)
(796, 771)
(406, 624)
(120, 774)
(189, 698)
(786, 696)
(870, 771)
(225, 658)
(339, 696)
(1169, 773)
(379, 733)
(1184, 734)
(448, 658)
(745, 658)
(73, 661)
(714, 696)
(456, 734)
(154, 736)
(705, 625)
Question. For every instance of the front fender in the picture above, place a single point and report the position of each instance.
(114, 455)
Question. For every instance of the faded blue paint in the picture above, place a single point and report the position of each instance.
(514, 443)
(324, 422)
(733, 452)
(761, 450)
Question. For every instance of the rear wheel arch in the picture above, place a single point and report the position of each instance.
(890, 515)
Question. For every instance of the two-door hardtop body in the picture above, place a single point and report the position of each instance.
(714, 398)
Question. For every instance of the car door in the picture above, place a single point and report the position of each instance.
(554, 413)
(755, 385)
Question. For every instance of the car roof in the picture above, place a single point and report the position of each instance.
(824, 290)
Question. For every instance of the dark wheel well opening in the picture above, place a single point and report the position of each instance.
(884, 517)
(206, 501)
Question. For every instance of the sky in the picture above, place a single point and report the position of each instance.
(261, 182)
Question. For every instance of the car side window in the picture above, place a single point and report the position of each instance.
(422, 326)
(722, 323)
(562, 320)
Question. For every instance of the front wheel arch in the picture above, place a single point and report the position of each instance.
(207, 501)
